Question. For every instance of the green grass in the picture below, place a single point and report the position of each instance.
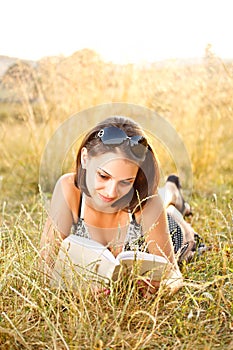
(199, 316)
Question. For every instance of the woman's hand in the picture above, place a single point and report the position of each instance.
(171, 283)
(148, 288)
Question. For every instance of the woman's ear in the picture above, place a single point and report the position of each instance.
(84, 157)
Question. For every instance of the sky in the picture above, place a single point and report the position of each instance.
(119, 30)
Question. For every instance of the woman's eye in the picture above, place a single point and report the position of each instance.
(102, 176)
(126, 183)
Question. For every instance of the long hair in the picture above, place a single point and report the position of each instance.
(147, 179)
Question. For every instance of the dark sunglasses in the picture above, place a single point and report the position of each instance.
(114, 136)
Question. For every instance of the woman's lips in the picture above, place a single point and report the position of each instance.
(106, 199)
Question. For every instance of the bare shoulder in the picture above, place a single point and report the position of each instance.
(67, 181)
(152, 209)
(153, 203)
(70, 191)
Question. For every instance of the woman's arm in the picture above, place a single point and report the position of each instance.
(155, 227)
(60, 218)
(186, 227)
(49, 244)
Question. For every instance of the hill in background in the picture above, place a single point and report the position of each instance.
(72, 68)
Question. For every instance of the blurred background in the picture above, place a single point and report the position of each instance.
(58, 58)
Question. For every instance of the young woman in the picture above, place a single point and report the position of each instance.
(113, 198)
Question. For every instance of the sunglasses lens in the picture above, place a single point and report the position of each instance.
(138, 146)
(135, 140)
(112, 136)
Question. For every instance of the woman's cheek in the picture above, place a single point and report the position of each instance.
(98, 184)
(125, 190)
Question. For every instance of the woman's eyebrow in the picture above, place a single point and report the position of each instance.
(130, 178)
(104, 171)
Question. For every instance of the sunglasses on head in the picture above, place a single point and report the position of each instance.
(114, 136)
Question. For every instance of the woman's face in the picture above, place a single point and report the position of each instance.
(109, 177)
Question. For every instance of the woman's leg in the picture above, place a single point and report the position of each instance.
(182, 233)
(171, 195)
(185, 240)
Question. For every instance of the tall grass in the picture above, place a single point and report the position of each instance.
(197, 100)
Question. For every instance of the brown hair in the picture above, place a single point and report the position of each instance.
(147, 178)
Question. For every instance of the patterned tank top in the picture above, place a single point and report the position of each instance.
(134, 239)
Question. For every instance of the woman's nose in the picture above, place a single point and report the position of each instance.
(111, 189)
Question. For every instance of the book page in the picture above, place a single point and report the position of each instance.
(79, 255)
(93, 245)
(137, 255)
(144, 264)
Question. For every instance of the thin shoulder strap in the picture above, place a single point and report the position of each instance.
(81, 206)
(131, 216)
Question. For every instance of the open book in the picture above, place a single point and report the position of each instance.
(78, 255)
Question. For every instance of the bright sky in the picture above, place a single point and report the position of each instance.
(119, 30)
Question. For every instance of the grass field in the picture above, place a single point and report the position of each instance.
(198, 102)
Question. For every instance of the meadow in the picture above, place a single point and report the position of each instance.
(197, 100)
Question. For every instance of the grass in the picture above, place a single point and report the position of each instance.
(199, 316)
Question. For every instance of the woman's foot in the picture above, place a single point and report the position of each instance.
(173, 182)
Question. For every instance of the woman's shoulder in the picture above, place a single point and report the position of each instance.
(67, 180)
(66, 184)
(153, 208)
